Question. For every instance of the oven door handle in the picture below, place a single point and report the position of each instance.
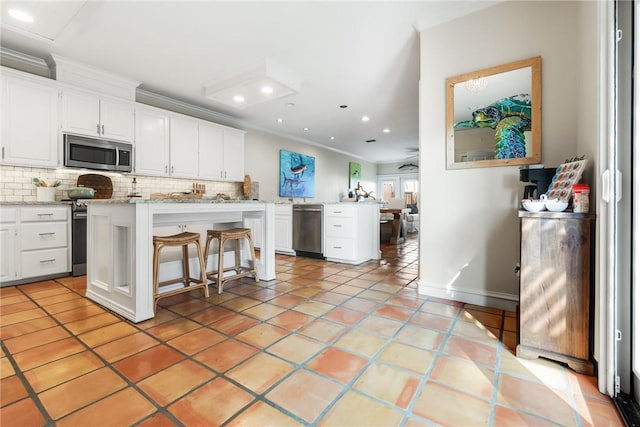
(80, 215)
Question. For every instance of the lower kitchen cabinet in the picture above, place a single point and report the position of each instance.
(284, 229)
(556, 288)
(351, 232)
(35, 243)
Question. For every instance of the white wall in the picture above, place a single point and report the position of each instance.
(262, 163)
(469, 227)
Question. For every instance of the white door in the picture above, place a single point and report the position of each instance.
(151, 143)
(184, 148)
(8, 267)
(116, 120)
(81, 113)
(211, 149)
(29, 123)
(233, 155)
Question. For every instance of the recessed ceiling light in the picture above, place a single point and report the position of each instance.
(369, 141)
(305, 128)
(289, 104)
(343, 106)
(386, 130)
(21, 15)
(332, 138)
(365, 118)
(279, 120)
(266, 90)
(238, 98)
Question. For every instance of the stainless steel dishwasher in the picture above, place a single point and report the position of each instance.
(307, 230)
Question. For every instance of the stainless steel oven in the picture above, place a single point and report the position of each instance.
(78, 238)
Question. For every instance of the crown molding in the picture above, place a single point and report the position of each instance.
(23, 62)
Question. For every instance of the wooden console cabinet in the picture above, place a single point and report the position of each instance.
(556, 289)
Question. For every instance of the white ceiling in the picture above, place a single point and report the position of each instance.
(361, 54)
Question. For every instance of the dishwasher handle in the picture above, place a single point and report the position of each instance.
(304, 209)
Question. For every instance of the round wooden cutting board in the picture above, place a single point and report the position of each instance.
(102, 184)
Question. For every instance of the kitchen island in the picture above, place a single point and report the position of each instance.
(120, 248)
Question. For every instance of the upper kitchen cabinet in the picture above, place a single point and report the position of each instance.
(151, 142)
(221, 152)
(89, 114)
(184, 147)
(29, 120)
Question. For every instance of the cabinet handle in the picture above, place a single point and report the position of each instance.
(98, 128)
(47, 234)
(335, 212)
(103, 129)
(337, 247)
(337, 225)
(225, 174)
(45, 261)
(45, 214)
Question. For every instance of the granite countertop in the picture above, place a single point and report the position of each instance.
(31, 203)
(143, 200)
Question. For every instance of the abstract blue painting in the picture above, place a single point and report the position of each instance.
(297, 174)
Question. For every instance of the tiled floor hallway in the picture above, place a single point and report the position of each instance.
(324, 344)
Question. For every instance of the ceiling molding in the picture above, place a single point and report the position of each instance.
(23, 62)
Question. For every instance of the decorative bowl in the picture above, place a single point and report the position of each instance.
(556, 205)
(81, 193)
(533, 205)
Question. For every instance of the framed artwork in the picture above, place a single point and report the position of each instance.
(355, 174)
(297, 174)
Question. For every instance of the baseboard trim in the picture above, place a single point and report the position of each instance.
(497, 300)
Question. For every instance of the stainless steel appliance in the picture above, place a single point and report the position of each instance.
(99, 154)
(307, 230)
(78, 238)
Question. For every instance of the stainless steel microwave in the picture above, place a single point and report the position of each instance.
(100, 154)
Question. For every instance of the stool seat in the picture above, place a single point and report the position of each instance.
(189, 283)
(233, 234)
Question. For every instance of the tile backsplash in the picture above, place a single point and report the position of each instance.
(16, 183)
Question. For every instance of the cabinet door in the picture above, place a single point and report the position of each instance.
(8, 267)
(184, 148)
(283, 233)
(29, 123)
(151, 143)
(211, 152)
(81, 113)
(233, 155)
(116, 120)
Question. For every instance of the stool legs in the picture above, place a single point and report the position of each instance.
(183, 240)
(240, 271)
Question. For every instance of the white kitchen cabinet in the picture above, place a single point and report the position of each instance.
(351, 232)
(8, 248)
(86, 113)
(29, 120)
(152, 141)
(36, 243)
(184, 147)
(233, 155)
(210, 151)
(221, 153)
(284, 229)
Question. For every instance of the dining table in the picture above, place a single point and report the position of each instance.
(398, 230)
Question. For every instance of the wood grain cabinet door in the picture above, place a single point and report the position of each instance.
(555, 285)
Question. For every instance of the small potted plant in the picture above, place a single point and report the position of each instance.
(45, 191)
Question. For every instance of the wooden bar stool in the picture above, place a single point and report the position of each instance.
(241, 271)
(182, 239)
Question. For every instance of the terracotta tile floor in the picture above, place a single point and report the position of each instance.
(324, 344)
